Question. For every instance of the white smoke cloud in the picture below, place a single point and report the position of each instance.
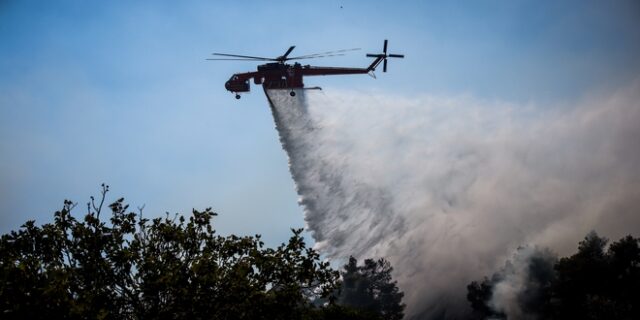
(518, 288)
(447, 188)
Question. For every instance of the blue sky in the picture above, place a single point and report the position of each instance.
(119, 91)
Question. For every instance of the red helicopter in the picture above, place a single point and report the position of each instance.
(279, 75)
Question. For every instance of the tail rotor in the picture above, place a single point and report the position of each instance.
(383, 57)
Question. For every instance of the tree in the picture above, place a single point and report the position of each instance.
(524, 283)
(595, 283)
(479, 295)
(599, 284)
(134, 268)
(369, 288)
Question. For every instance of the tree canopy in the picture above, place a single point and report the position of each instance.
(370, 288)
(130, 267)
(595, 283)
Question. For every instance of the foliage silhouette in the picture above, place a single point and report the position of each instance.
(595, 283)
(131, 267)
(369, 288)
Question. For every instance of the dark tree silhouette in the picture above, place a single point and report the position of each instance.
(534, 294)
(370, 288)
(594, 283)
(479, 294)
(599, 284)
(130, 267)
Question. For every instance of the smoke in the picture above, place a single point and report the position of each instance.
(447, 187)
(519, 288)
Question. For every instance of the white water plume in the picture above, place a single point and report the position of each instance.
(447, 188)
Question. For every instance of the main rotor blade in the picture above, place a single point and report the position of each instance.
(384, 66)
(385, 46)
(396, 55)
(324, 53)
(240, 59)
(325, 56)
(342, 50)
(288, 51)
(371, 55)
(239, 56)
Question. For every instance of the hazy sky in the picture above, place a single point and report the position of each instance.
(119, 91)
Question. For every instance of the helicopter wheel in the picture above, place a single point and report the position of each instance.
(292, 93)
(237, 96)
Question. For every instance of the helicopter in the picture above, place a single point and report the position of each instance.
(277, 74)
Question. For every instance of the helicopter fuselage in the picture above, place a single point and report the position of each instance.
(287, 76)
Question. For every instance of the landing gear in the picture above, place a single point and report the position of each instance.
(292, 93)
(237, 96)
